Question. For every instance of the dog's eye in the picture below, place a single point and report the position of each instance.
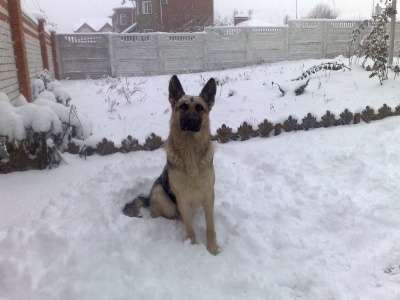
(184, 107)
(199, 108)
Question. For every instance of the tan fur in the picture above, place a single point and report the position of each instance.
(161, 205)
(191, 175)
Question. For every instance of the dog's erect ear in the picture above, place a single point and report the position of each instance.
(176, 91)
(208, 92)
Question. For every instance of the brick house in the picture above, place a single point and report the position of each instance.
(174, 15)
(123, 18)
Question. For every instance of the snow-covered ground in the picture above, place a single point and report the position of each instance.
(253, 100)
(312, 215)
(308, 215)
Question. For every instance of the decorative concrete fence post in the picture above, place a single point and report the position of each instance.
(249, 59)
(161, 61)
(17, 32)
(111, 53)
(324, 38)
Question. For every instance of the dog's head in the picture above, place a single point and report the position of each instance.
(191, 113)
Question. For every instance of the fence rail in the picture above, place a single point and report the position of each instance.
(95, 55)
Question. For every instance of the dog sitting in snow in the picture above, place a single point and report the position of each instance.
(187, 182)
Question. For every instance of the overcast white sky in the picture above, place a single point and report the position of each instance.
(66, 13)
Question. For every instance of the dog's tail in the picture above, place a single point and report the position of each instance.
(132, 209)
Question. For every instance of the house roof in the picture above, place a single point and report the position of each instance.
(130, 29)
(127, 4)
(95, 23)
(255, 23)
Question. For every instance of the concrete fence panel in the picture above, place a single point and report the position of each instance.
(134, 54)
(180, 52)
(338, 37)
(306, 39)
(267, 44)
(84, 55)
(226, 48)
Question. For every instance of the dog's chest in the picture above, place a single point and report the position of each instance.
(193, 187)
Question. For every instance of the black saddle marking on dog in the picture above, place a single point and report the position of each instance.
(163, 180)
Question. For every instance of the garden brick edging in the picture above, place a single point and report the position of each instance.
(246, 131)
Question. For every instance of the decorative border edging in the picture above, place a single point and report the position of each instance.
(246, 131)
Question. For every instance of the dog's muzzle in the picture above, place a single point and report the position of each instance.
(191, 122)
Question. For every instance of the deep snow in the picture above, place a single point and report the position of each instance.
(312, 215)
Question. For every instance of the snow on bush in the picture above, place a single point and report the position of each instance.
(37, 87)
(53, 85)
(68, 115)
(46, 77)
(45, 87)
(11, 123)
(19, 101)
(42, 116)
(48, 95)
(62, 96)
(3, 97)
(15, 120)
(39, 119)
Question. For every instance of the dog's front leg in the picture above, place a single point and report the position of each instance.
(212, 245)
(186, 212)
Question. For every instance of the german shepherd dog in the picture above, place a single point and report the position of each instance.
(187, 182)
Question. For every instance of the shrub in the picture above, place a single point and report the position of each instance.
(265, 128)
(346, 117)
(224, 134)
(246, 131)
(291, 124)
(309, 122)
(153, 142)
(328, 120)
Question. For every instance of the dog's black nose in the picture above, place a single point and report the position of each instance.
(191, 122)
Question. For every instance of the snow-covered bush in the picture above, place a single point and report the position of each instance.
(32, 134)
(75, 125)
(48, 95)
(62, 96)
(37, 87)
(46, 87)
(46, 77)
(53, 85)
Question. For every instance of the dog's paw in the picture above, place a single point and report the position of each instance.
(214, 249)
(191, 239)
(132, 210)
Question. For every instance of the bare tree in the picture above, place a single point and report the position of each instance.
(322, 11)
(221, 20)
